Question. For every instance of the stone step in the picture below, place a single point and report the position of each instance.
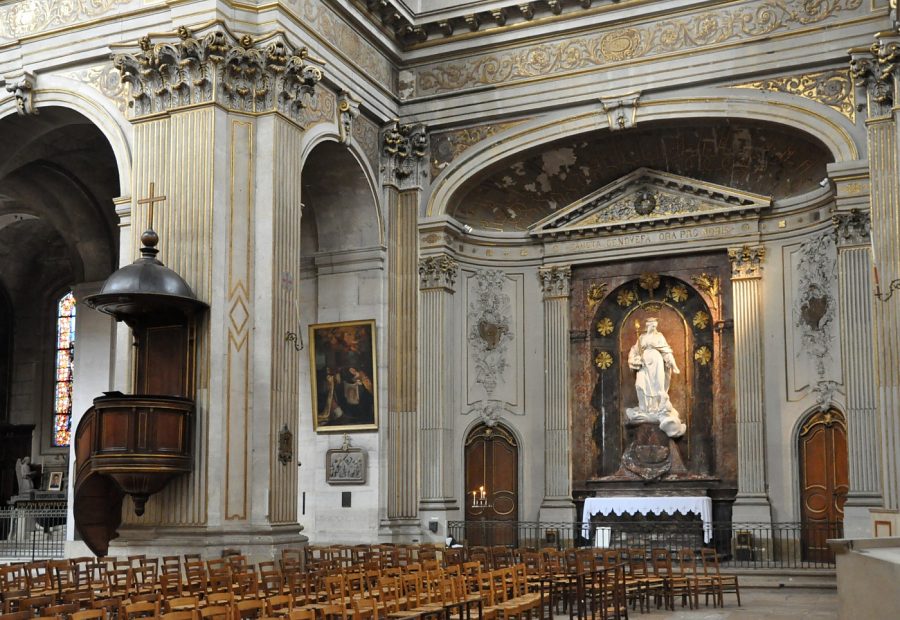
(786, 578)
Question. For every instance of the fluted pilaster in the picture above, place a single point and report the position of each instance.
(437, 281)
(557, 504)
(855, 298)
(752, 500)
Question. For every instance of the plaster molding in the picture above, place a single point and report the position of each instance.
(438, 272)
(833, 88)
(348, 110)
(852, 228)
(555, 281)
(621, 112)
(490, 328)
(815, 308)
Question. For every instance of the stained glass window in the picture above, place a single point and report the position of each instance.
(65, 362)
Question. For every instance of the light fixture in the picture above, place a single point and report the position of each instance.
(479, 498)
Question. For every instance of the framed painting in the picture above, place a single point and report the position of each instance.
(55, 481)
(342, 369)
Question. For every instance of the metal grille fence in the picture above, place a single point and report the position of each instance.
(32, 533)
(741, 545)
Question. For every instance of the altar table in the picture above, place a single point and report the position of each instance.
(648, 505)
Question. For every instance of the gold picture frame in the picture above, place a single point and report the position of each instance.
(343, 373)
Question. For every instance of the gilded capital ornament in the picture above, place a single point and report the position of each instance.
(405, 148)
(852, 227)
(875, 73)
(437, 272)
(555, 281)
(746, 262)
(240, 73)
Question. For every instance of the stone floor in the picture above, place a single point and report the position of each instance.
(775, 603)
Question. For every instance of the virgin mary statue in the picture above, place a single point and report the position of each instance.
(651, 356)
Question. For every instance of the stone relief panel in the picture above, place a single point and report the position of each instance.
(731, 23)
(493, 342)
(765, 159)
(810, 322)
(366, 134)
(344, 38)
(106, 80)
(30, 17)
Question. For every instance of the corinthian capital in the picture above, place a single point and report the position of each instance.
(437, 272)
(746, 262)
(852, 227)
(555, 281)
(238, 72)
(405, 148)
(876, 73)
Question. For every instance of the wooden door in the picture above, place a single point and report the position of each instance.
(492, 461)
(823, 483)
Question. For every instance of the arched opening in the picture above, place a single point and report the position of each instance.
(492, 486)
(342, 284)
(822, 447)
(58, 231)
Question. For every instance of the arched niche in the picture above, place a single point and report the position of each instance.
(58, 229)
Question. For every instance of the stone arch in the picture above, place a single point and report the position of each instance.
(829, 128)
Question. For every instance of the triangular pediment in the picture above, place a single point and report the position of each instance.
(649, 197)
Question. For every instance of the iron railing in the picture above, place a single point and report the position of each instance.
(740, 545)
(32, 533)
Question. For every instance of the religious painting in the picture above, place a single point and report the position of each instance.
(342, 368)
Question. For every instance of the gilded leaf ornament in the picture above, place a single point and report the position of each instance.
(605, 326)
(691, 31)
(649, 281)
(625, 297)
(709, 284)
(595, 294)
(701, 320)
(832, 88)
(678, 293)
(603, 360)
(703, 355)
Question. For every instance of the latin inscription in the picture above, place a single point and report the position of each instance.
(661, 237)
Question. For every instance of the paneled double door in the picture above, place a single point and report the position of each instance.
(823, 483)
(492, 462)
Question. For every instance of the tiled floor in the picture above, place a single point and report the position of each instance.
(784, 603)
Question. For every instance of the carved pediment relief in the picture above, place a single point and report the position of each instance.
(649, 197)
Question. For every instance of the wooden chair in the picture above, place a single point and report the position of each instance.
(220, 598)
(302, 614)
(182, 603)
(17, 615)
(216, 612)
(185, 614)
(279, 605)
(142, 609)
(89, 614)
(249, 609)
(720, 583)
(36, 604)
(63, 610)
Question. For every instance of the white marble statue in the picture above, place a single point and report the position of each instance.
(651, 356)
(24, 475)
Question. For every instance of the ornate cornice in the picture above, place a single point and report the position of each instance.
(555, 281)
(240, 73)
(652, 36)
(438, 272)
(833, 88)
(405, 148)
(852, 227)
(746, 262)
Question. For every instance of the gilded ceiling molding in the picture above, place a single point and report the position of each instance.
(730, 23)
(405, 148)
(106, 79)
(448, 145)
(21, 86)
(243, 74)
(833, 88)
(28, 17)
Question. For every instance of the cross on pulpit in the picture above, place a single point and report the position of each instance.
(151, 200)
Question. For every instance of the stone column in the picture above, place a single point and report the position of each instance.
(557, 504)
(404, 149)
(855, 299)
(752, 503)
(437, 388)
(230, 227)
(876, 71)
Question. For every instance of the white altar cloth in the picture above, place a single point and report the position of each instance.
(646, 505)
